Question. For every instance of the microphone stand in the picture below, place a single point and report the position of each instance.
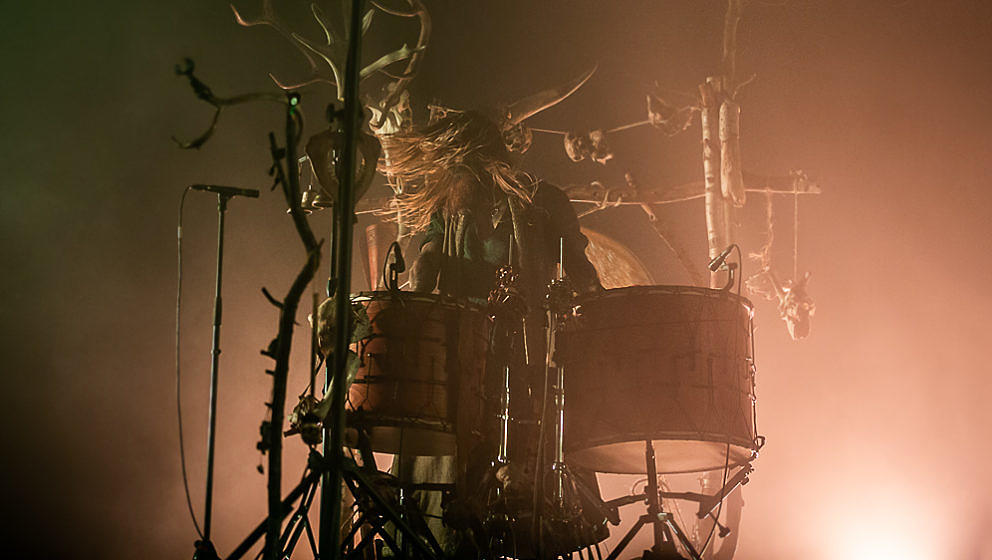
(335, 374)
(204, 548)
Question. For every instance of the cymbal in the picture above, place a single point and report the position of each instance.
(618, 266)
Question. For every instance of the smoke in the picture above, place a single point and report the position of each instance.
(877, 425)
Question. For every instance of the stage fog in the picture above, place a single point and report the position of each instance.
(874, 116)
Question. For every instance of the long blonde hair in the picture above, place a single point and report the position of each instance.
(438, 167)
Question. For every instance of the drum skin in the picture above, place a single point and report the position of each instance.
(665, 363)
(420, 373)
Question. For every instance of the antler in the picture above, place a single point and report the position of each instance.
(523, 109)
(270, 18)
(398, 87)
(331, 53)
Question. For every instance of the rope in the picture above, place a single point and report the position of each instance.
(795, 231)
(620, 128)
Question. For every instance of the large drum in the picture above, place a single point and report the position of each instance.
(670, 364)
(418, 386)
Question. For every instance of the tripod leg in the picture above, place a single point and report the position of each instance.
(380, 529)
(287, 503)
(360, 486)
(627, 538)
(311, 539)
(367, 539)
(350, 537)
(295, 528)
(674, 528)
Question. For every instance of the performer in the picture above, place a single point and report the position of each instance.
(459, 184)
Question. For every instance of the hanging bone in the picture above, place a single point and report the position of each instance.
(731, 173)
(517, 137)
(592, 145)
(666, 117)
(795, 306)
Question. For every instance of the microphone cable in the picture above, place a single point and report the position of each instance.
(179, 401)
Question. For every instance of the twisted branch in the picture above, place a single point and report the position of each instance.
(288, 178)
(204, 92)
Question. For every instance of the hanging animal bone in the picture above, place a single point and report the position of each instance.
(592, 145)
(517, 137)
(731, 175)
(666, 117)
(795, 306)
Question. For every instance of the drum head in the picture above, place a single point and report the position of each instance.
(672, 456)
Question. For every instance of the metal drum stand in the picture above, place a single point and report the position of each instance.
(666, 530)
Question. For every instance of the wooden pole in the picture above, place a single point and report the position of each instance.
(335, 379)
(717, 230)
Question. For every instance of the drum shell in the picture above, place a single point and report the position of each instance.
(418, 386)
(666, 363)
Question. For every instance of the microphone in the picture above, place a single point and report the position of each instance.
(398, 261)
(226, 191)
(718, 260)
(393, 270)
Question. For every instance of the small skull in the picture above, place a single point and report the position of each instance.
(797, 307)
(669, 119)
(579, 146)
(518, 137)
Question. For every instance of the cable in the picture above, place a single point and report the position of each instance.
(795, 232)
(179, 401)
(539, 461)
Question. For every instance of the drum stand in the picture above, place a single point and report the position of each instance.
(560, 304)
(507, 311)
(666, 530)
(374, 513)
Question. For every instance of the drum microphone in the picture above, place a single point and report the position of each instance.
(392, 270)
(398, 261)
(226, 191)
(718, 260)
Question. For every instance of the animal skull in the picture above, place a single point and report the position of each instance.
(592, 145)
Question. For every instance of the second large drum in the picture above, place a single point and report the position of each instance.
(671, 364)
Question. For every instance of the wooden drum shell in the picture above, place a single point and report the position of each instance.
(418, 386)
(666, 363)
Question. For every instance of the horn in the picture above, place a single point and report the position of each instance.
(531, 105)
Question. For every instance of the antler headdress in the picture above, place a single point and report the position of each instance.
(431, 166)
